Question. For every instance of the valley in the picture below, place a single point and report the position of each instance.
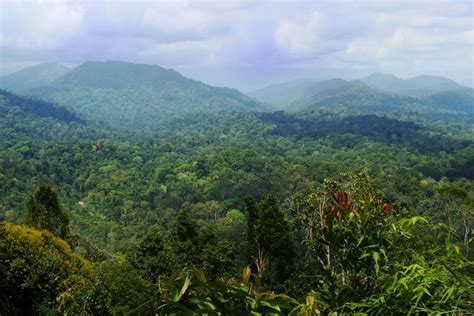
(158, 172)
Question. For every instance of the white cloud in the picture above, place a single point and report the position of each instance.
(251, 41)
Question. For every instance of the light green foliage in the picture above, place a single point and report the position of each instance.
(38, 270)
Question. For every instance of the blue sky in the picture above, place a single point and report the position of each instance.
(246, 44)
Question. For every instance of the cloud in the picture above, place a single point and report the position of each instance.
(246, 43)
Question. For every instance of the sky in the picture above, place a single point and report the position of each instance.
(246, 44)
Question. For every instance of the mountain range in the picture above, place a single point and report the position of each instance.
(375, 93)
(415, 87)
(33, 77)
(126, 94)
(141, 96)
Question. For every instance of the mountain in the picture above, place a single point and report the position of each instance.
(454, 101)
(371, 95)
(280, 94)
(122, 75)
(138, 95)
(283, 94)
(417, 86)
(33, 77)
(357, 96)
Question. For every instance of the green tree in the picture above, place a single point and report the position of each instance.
(38, 271)
(43, 211)
(269, 238)
(371, 259)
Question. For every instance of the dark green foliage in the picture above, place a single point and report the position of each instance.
(43, 211)
(186, 244)
(144, 204)
(189, 292)
(372, 259)
(37, 107)
(269, 239)
(125, 290)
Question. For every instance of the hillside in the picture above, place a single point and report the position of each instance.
(33, 77)
(179, 196)
(417, 86)
(282, 94)
(358, 97)
(139, 96)
(454, 101)
(10, 102)
(375, 92)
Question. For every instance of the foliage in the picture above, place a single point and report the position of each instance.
(144, 203)
(189, 292)
(372, 259)
(40, 108)
(186, 244)
(38, 270)
(269, 239)
(43, 211)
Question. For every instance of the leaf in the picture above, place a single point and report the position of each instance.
(174, 295)
(185, 286)
(246, 274)
(376, 257)
(200, 275)
(206, 305)
(272, 304)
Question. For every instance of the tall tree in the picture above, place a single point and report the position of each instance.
(269, 238)
(43, 211)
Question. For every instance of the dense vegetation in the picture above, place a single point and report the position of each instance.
(361, 206)
(134, 95)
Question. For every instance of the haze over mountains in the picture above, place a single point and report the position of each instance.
(377, 92)
(287, 92)
(33, 77)
(134, 148)
(126, 93)
(139, 95)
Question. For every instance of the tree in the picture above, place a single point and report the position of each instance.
(186, 244)
(43, 211)
(269, 238)
(373, 260)
(37, 271)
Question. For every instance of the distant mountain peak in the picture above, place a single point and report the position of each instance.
(137, 95)
(34, 76)
(421, 85)
(382, 75)
(118, 74)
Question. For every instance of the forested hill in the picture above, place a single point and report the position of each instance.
(10, 102)
(139, 96)
(454, 101)
(430, 96)
(285, 93)
(123, 75)
(417, 86)
(210, 192)
(359, 97)
(33, 77)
